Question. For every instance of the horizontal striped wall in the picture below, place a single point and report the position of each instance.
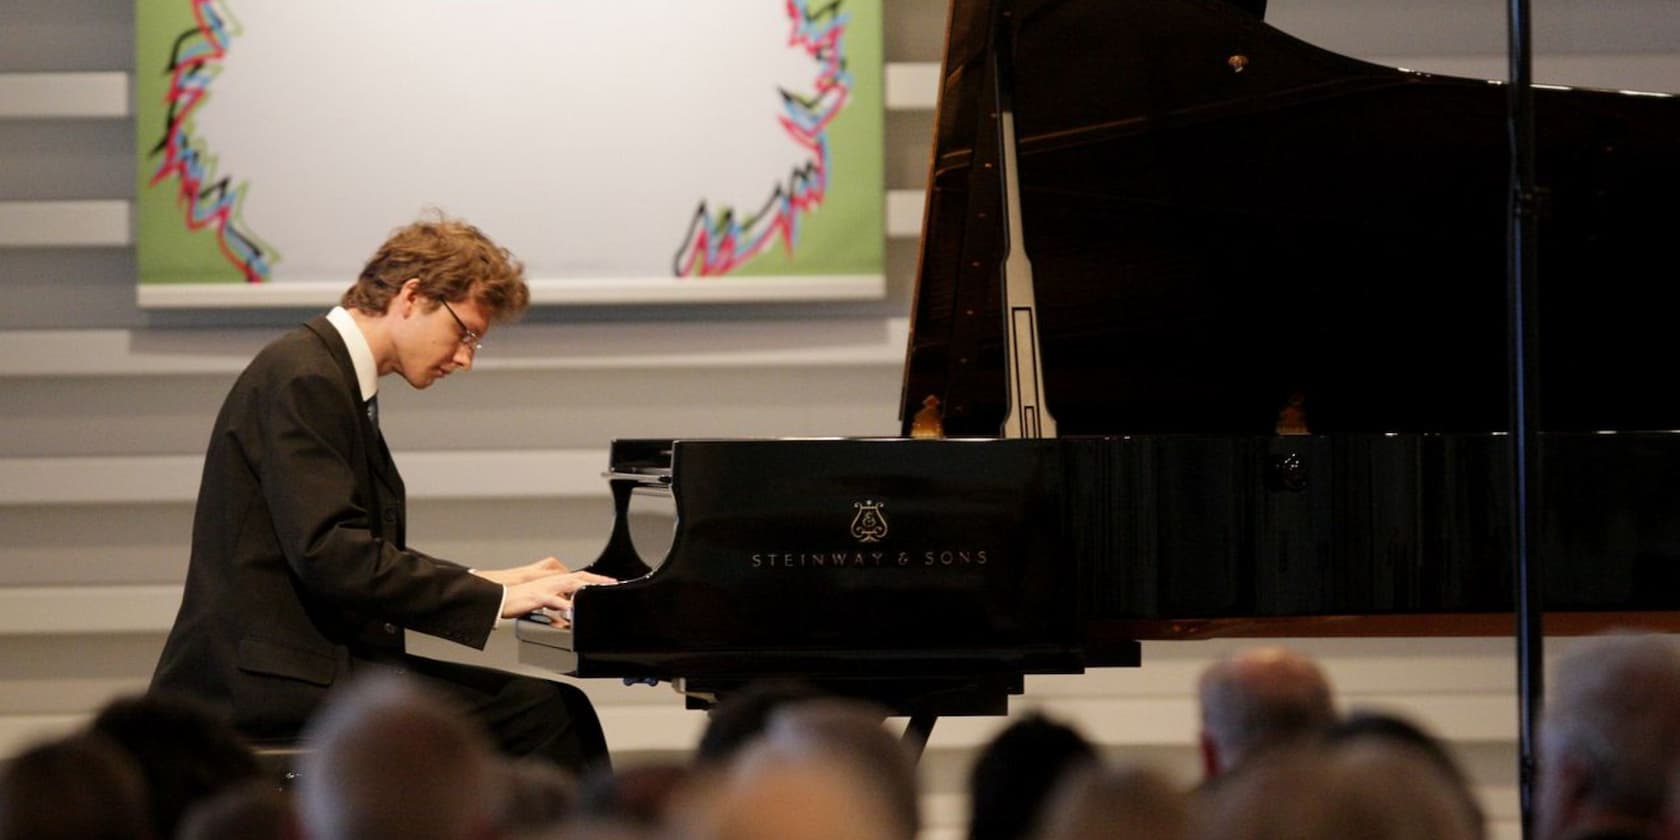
(104, 407)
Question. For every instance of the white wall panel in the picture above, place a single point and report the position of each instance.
(58, 95)
(94, 544)
(86, 223)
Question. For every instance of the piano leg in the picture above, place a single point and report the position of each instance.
(916, 734)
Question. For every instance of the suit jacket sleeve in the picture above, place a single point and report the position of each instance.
(312, 468)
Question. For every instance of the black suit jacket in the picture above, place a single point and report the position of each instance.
(298, 561)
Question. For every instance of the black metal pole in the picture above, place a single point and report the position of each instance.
(1524, 397)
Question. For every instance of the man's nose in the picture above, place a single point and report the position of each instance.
(464, 357)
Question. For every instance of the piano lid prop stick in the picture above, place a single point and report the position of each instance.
(1028, 416)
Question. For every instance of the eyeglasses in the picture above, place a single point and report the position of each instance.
(468, 337)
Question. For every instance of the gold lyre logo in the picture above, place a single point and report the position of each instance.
(870, 523)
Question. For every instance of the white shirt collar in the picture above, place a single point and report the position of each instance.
(361, 355)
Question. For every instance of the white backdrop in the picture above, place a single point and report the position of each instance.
(580, 135)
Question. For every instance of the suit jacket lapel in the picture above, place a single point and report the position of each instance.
(382, 468)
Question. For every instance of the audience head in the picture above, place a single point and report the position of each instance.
(1374, 789)
(534, 795)
(77, 788)
(186, 752)
(742, 717)
(1016, 772)
(1366, 725)
(596, 830)
(772, 793)
(1256, 699)
(251, 811)
(819, 769)
(1610, 738)
(638, 796)
(850, 733)
(390, 762)
(1124, 803)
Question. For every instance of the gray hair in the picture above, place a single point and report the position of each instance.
(1262, 696)
(1614, 714)
(1102, 803)
(1377, 790)
(852, 731)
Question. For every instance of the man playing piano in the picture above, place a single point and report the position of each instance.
(300, 575)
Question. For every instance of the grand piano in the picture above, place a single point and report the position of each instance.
(1259, 387)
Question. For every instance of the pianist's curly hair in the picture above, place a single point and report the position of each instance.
(452, 260)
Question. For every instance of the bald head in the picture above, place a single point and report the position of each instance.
(1610, 738)
(1257, 698)
(391, 762)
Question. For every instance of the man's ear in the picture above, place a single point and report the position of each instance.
(1210, 756)
(407, 295)
(1562, 793)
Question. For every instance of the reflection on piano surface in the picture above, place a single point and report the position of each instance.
(1270, 287)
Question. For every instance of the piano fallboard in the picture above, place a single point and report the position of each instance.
(846, 557)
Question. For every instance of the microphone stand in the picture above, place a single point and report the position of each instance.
(1524, 399)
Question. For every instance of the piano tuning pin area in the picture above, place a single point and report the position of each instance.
(1237, 62)
(927, 423)
(1292, 418)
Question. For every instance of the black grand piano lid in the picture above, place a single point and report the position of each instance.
(1221, 216)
